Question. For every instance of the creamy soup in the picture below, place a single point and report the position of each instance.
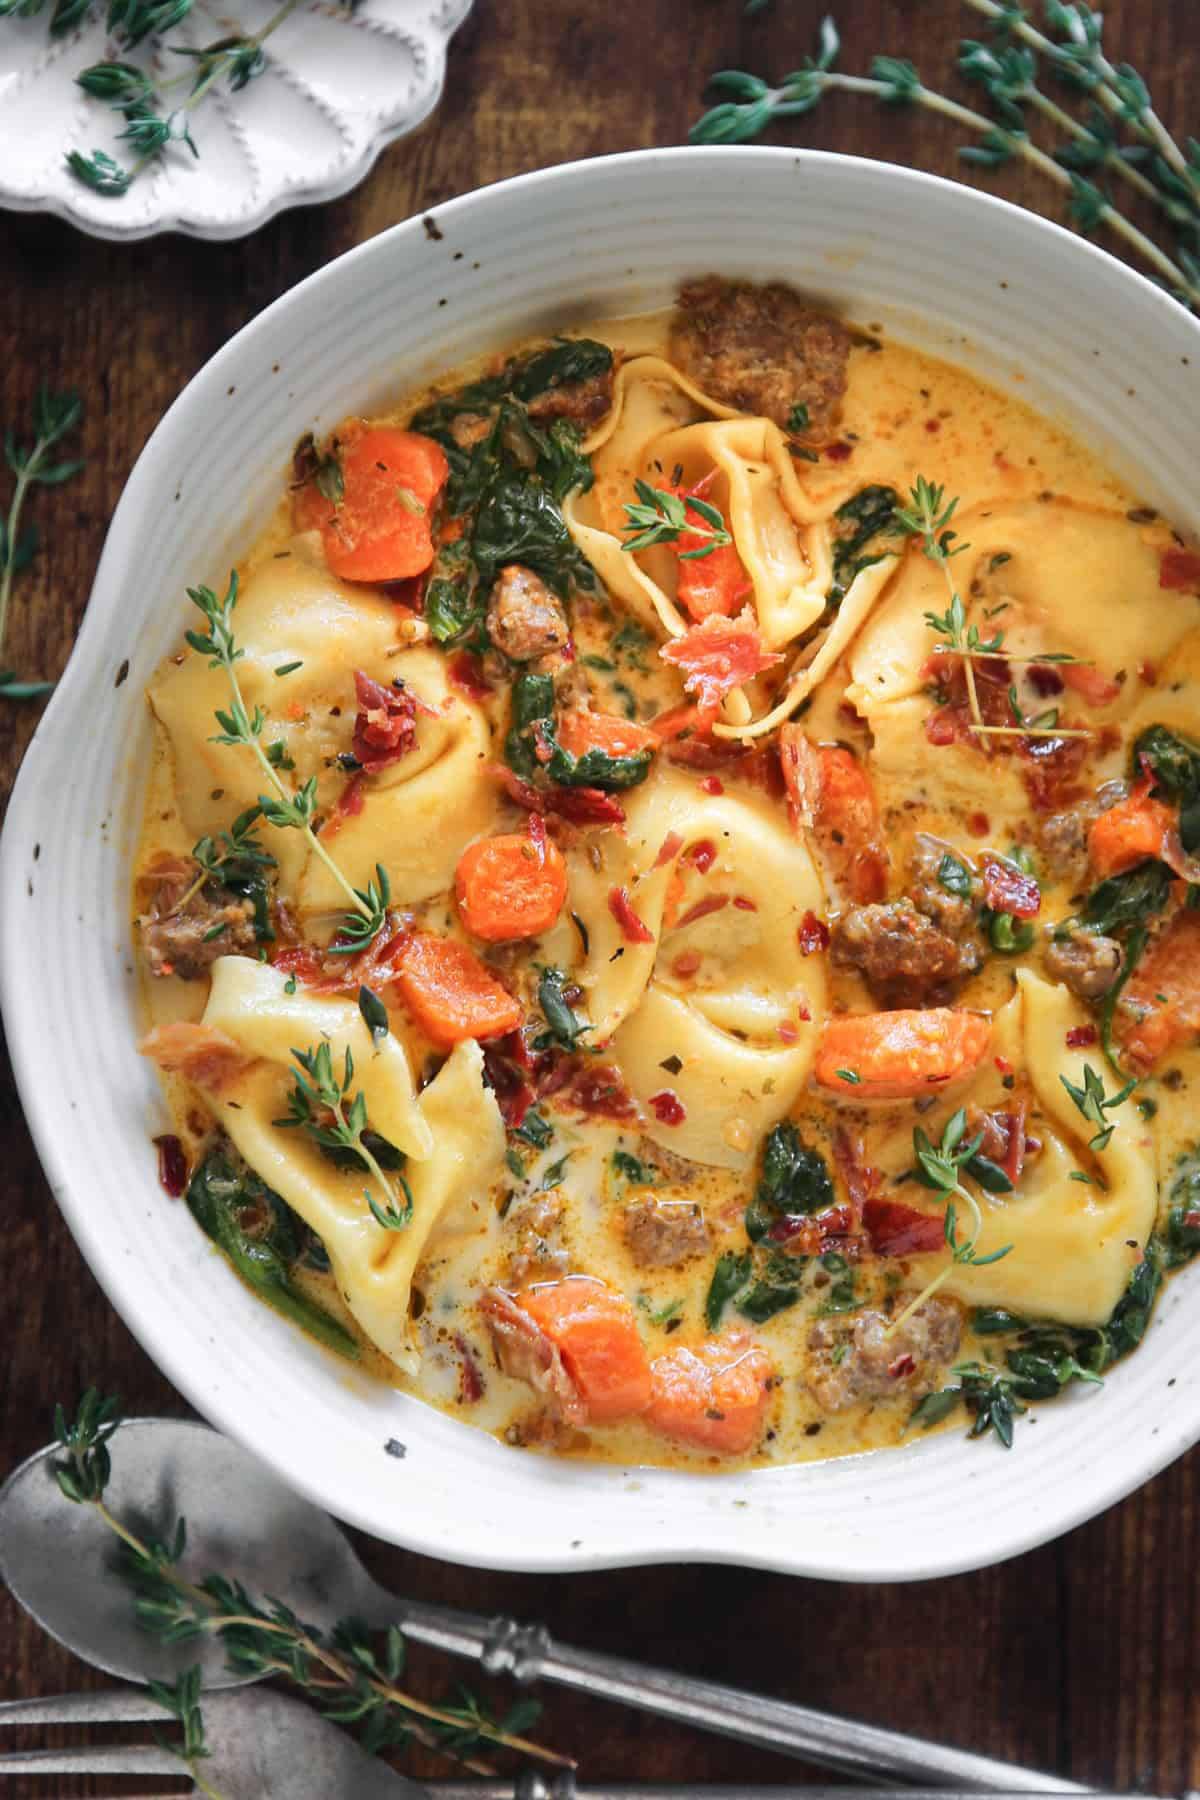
(666, 896)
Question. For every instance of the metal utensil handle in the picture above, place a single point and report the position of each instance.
(528, 1653)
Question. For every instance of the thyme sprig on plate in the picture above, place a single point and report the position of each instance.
(325, 1109)
(942, 1167)
(286, 808)
(1007, 71)
(660, 517)
(138, 95)
(353, 1677)
(54, 416)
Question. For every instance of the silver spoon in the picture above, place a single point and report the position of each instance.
(243, 1522)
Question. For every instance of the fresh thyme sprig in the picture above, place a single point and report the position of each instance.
(942, 1167)
(343, 1670)
(287, 808)
(54, 415)
(660, 517)
(140, 100)
(1093, 1103)
(755, 104)
(335, 1119)
(182, 1700)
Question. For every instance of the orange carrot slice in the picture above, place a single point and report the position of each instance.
(899, 1055)
(511, 886)
(579, 732)
(1165, 990)
(714, 1396)
(450, 993)
(1129, 833)
(596, 1334)
(829, 789)
(381, 528)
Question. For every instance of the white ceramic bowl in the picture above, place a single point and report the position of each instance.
(986, 284)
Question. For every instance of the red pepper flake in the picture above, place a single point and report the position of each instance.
(1179, 569)
(585, 806)
(668, 1108)
(1003, 1064)
(839, 452)
(978, 824)
(1080, 1036)
(933, 425)
(903, 1365)
(712, 784)
(385, 728)
(686, 964)
(1044, 680)
(669, 848)
(1191, 1221)
(1008, 889)
(702, 856)
(803, 1014)
(172, 1165)
(1147, 674)
(788, 1033)
(711, 903)
(813, 934)
(464, 671)
(633, 929)
(744, 903)
(543, 749)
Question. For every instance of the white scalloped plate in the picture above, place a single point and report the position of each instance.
(951, 270)
(340, 84)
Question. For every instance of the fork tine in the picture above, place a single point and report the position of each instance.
(115, 1705)
(93, 1759)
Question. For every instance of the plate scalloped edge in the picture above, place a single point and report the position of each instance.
(161, 201)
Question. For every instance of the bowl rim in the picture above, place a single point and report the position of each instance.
(421, 1532)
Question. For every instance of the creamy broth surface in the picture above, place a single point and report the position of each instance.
(743, 885)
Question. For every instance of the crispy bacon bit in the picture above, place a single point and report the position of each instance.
(1052, 767)
(581, 805)
(470, 1375)
(348, 805)
(978, 824)
(172, 1165)
(813, 934)
(744, 903)
(599, 1090)
(668, 849)
(1080, 1036)
(712, 784)
(386, 726)
(667, 1107)
(898, 1230)
(526, 1352)
(805, 1234)
(1091, 686)
(903, 1365)
(1002, 1138)
(633, 928)
(1044, 680)
(507, 1066)
(711, 903)
(465, 672)
(948, 725)
(1007, 889)
(200, 1053)
(718, 656)
(1179, 569)
(326, 973)
(838, 452)
(702, 856)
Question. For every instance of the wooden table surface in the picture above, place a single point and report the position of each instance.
(1083, 1657)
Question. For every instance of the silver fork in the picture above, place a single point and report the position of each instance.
(267, 1747)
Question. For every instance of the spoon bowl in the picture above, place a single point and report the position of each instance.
(61, 1561)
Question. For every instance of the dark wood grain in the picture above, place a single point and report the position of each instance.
(1082, 1657)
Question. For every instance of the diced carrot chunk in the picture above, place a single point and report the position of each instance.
(578, 732)
(830, 790)
(512, 886)
(1165, 989)
(381, 528)
(450, 993)
(899, 1055)
(713, 1397)
(1128, 833)
(596, 1334)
